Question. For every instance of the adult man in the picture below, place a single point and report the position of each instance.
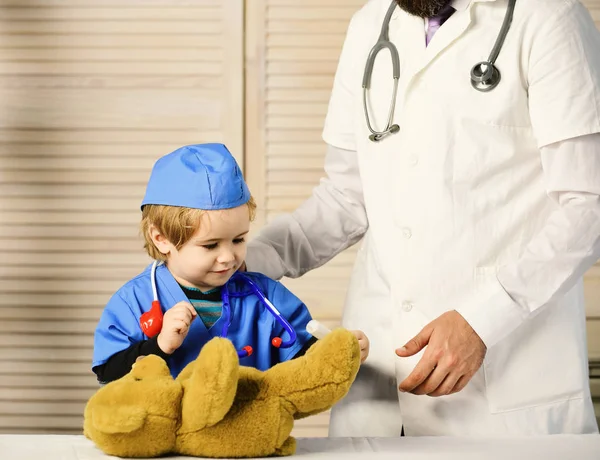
(479, 213)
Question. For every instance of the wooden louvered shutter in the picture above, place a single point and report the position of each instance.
(594, 7)
(92, 92)
(292, 52)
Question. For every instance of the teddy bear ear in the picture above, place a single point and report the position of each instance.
(117, 419)
(150, 366)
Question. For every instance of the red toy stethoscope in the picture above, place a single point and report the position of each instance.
(152, 320)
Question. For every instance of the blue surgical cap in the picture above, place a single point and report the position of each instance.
(203, 176)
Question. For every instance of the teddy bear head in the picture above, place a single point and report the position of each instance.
(137, 415)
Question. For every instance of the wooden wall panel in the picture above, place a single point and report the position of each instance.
(92, 92)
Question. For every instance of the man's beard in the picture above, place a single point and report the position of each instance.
(423, 8)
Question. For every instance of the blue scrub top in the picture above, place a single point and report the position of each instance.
(252, 324)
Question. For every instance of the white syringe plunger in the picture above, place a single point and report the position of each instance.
(317, 329)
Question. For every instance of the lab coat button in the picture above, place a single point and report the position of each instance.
(407, 306)
(406, 233)
(413, 161)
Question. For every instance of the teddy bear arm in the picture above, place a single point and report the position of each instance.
(332, 361)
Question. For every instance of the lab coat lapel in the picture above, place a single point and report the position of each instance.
(450, 31)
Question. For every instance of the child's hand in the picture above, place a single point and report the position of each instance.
(176, 324)
(363, 341)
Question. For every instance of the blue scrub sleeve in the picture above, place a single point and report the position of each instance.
(297, 314)
(117, 330)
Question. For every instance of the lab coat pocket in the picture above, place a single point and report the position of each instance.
(535, 365)
(486, 156)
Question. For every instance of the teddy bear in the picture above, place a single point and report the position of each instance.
(217, 408)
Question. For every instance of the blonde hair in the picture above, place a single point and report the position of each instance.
(175, 223)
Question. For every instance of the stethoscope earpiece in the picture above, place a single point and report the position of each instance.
(485, 76)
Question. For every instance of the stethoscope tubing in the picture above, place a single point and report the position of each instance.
(485, 76)
(226, 295)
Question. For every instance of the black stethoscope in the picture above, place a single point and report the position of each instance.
(485, 76)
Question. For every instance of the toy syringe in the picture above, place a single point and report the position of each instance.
(316, 329)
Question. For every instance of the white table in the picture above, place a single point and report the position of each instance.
(563, 447)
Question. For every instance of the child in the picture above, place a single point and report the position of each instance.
(195, 217)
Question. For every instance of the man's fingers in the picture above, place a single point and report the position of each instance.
(462, 382)
(416, 344)
(419, 374)
(455, 349)
(432, 382)
(447, 385)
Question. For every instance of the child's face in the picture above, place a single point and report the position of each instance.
(214, 252)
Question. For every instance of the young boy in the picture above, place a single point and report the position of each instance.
(195, 218)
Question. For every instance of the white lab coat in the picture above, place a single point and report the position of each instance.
(456, 211)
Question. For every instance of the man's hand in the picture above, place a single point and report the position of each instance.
(363, 342)
(454, 353)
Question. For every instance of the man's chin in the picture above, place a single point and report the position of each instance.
(423, 8)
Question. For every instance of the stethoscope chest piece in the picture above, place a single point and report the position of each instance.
(485, 76)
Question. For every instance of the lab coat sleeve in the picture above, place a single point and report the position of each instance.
(559, 255)
(116, 331)
(564, 76)
(564, 103)
(331, 220)
(334, 217)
